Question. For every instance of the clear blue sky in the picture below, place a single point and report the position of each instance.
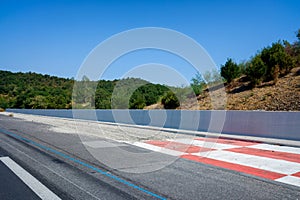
(54, 37)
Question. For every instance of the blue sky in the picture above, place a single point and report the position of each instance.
(54, 37)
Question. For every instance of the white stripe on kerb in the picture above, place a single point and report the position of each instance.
(158, 149)
(271, 147)
(36, 186)
(207, 144)
(269, 164)
(292, 180)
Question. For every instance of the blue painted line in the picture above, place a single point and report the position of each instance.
(83, 164)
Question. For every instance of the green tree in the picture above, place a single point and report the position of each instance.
(198, 84)
(84, 92)
(170, 101)
(103, 94)
(38, 102)
(138, 102)
(230, 70)
(256, 70)
(276, 55)
(4, 102)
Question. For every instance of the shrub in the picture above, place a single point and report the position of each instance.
(230, 70)
(170, 101)
(198, 84)
(138, 102)
(256, 71)
(276, 55)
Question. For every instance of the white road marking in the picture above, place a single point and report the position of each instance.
(269, 164)
(213, 145)
(36, 186)
(271, 147)
(292, 180)
(158, 149)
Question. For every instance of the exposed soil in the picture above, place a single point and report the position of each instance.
(282, 96)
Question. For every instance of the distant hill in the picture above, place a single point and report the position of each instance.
(37, 91)
(32, 90)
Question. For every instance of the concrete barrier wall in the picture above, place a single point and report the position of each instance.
(283, 125)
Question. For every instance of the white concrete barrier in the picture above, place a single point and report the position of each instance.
(281, 125)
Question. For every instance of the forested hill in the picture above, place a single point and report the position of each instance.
(32, 90)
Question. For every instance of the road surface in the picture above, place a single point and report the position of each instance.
(74, 163)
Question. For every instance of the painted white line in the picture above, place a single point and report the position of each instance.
(276, 148)
(206, 144)
(269, 164)
(36, 186)
(158, 149)
(292, 180)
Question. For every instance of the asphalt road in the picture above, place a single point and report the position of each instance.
(62, 163)
(12, 187)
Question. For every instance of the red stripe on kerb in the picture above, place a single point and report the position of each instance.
(236, 167)
(296, 174)
(176, 146)
(292, 157)
(228, 141)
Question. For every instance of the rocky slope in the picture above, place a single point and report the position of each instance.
(282, 96)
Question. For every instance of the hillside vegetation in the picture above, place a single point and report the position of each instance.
(32, 90)
(267, 81)
(283, 96)
(37, 91)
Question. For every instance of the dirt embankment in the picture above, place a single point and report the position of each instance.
(282, 96)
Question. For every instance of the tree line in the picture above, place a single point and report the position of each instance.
(36, 91)
(32, 90)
